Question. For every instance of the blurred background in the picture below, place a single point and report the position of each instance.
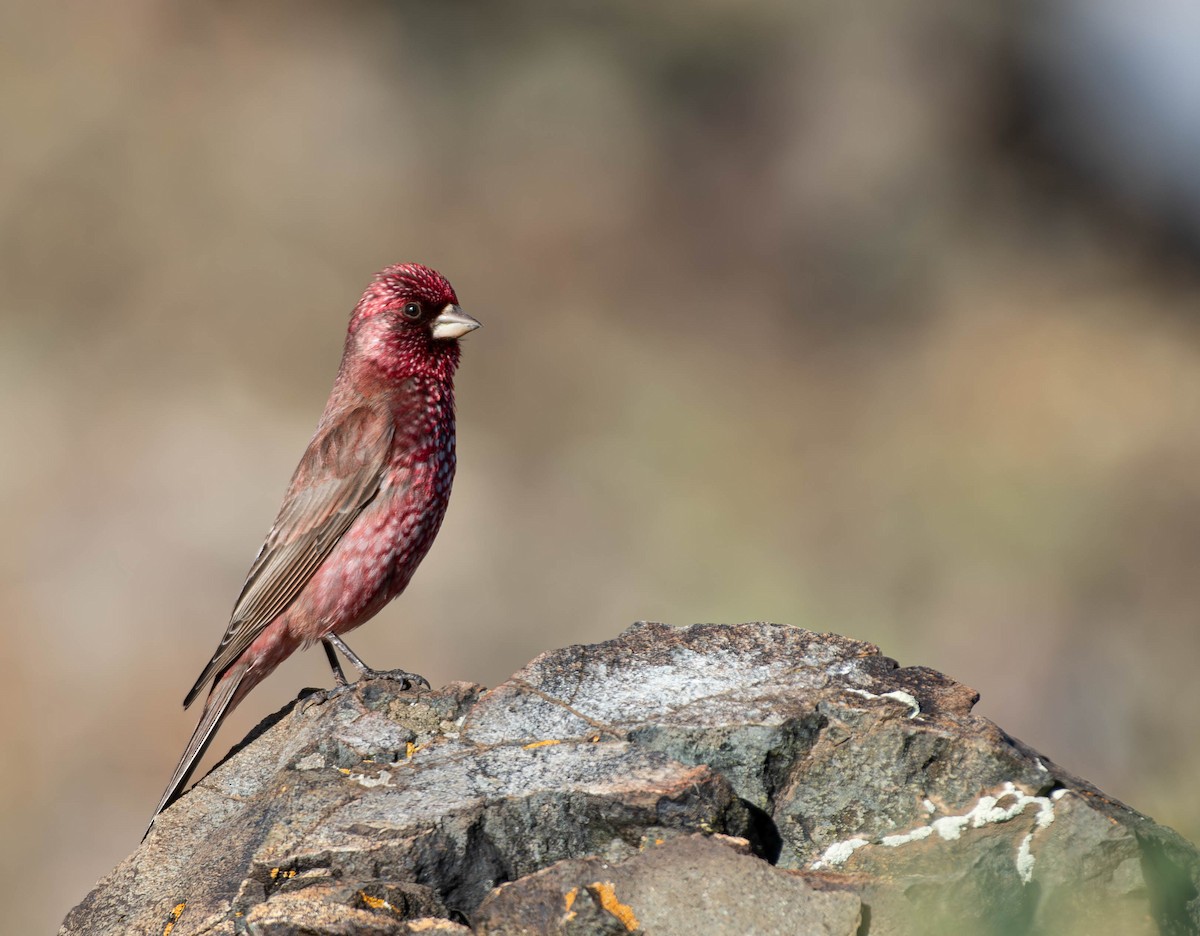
(881, 319)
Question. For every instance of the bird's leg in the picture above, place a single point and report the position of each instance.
(407, 679)
(338, 676)
(321, 696)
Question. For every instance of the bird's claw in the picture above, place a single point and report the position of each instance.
(406, 679)
(321, 696)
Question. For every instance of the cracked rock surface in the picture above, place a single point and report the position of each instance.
(716, 779)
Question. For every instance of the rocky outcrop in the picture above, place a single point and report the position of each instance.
(716, 779)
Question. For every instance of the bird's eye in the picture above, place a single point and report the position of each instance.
(412, 310)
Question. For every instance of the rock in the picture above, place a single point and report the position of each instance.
(679, 887)
(839, 793)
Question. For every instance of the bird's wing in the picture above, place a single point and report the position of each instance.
(340, 474)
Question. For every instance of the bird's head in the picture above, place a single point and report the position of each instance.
(408, 322)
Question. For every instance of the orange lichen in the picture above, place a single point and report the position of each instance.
(176, 913)
(604, 892)
(569, 898)
(538, 744)
(375, 903)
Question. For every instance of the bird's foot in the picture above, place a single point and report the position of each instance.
(406, 679)
(311, 697)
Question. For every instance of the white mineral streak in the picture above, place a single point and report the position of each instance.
(988, 810)
(904, 698)
(897, 695)
(838, 853)
(1025, 859)
(892, 841)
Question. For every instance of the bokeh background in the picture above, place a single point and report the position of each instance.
(874, 318)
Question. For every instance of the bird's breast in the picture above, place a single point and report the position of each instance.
(377, 556)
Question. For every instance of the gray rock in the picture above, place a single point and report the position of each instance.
(879, 802)
(679, 887)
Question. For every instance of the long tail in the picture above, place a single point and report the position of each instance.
(220, 702)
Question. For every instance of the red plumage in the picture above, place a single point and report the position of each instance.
(365, 502)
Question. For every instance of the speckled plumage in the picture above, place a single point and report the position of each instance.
(365, 502)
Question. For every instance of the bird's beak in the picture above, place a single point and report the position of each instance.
(453, 322)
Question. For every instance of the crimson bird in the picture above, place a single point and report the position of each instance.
(363, 506)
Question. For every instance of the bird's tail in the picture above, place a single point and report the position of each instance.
(221, 700)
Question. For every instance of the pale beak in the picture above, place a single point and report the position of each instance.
(453, 322)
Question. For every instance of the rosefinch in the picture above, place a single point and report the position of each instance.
(364, 503)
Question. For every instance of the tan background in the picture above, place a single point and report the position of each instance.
(861, 319)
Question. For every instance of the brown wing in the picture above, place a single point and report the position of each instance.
(338, 476)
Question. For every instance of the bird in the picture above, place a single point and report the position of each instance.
(363, 506)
